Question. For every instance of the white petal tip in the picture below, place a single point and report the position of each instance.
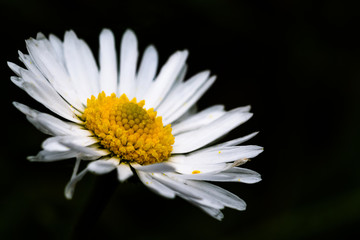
(69, 193)
(40, 36)
(101, 167)
(32, 159)
(156, 167)
(16, 104)
(218, 215)
(106, 31)
(129, 34)
(124, 172)
(252, 180)
(70, 32)
(10, 64)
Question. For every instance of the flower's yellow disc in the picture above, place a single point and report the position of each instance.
(127, 129)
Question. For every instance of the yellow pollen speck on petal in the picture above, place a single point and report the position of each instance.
(219, 152)
(128, 130)
(195, 172)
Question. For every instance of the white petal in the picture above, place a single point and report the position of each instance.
(196, 168)
(178, 83)
(50, 156)
(108, 62)
(174, 115)
(29, 63)
(155, 185)
(242, 175)
(189, 113)
(81, 66)
(53, 145)
(15, 68)
(19, 82)
(124, 172)
(147, 71)
(179, 187)
(76, 166)
(39, 89)
(190, 141)
(46, 60)
(198, 120)
(58, 47)
(40, 36)
(82, 145)
(234, 174)
(174, 91)
(157, 167)
(213, 212)
(70, 187)
(128, 60)
(101, 166)
(230, 143)
(225, 154)
(91, 68)
(57, 143)
(182, 94)
(165, 79)
(58, 127)
(26, 110)
(184, 190)
(224, 197)
(89, 151)
(49, 124)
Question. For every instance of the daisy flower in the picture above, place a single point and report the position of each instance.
(132, 119)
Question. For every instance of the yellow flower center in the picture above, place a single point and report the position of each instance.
(128, 130)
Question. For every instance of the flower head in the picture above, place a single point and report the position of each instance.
(161, 137)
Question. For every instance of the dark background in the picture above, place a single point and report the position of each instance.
(297, 64)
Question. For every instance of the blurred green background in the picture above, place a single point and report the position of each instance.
(297, 64)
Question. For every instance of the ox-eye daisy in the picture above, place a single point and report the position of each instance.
(132, 119)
